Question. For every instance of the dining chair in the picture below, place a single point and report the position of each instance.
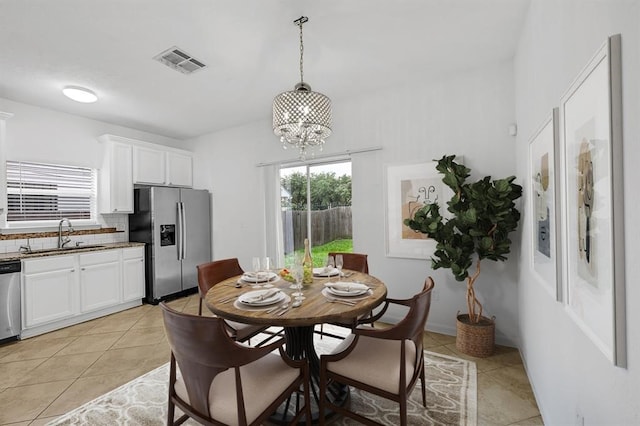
(386, 362)
(354, 262)
(212, 273)
(216, 380)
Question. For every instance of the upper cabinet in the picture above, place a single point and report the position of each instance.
(162, 167)
(116, 179)
(129, 161)
(148, 166)
(179, 169)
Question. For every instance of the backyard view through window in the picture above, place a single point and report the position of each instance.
(316, 204)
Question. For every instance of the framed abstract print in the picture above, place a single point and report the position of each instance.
(593, 264)
(410, 187)
(544, 206)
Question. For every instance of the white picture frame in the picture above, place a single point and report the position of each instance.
(544, 206)
(592, 195)
(408, 187)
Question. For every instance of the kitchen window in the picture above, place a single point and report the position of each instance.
(42, 194)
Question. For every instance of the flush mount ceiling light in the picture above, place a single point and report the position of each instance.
(302, 117)
(80, 94)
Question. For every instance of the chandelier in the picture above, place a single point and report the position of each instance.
(302, 117)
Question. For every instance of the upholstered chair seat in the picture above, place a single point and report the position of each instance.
(374, 362)
(222, 399)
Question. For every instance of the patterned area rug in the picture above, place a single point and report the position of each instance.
(451, 399)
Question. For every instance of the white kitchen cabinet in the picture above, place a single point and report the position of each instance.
(149, 166)
(157, 166)
(49, 290)
(179, 169)
(100, 284)
(132, 273)
(116, 178)
(62, 290)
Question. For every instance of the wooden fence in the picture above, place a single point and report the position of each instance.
(326, 225)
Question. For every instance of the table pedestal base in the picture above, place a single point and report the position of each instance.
(300, 345)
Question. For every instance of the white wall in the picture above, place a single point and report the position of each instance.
(465, 114)
(43, 135)
(571, 378)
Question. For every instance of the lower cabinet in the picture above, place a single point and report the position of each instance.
(50, 290)
(58, 291)
(132, 273)
(99, 280)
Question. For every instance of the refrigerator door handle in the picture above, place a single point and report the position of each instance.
(184, 232)
(180, 230)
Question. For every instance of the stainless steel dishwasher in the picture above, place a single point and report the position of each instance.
(9, 299)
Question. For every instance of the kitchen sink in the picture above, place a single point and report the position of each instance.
(66, 249)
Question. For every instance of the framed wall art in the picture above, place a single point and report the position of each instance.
(593, 264)
(409, 187)
(544, 206)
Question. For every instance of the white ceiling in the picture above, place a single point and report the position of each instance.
(251, 48)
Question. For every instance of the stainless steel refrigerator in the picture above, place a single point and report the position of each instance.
(175, 224)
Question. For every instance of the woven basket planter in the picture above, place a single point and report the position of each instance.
(475, 339)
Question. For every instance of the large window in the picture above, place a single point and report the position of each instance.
(316, 204)
(42, 193)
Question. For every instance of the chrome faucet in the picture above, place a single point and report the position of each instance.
(64, 240)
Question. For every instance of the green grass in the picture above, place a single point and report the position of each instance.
(319, 253)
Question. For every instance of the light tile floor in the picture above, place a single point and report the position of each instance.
(48, 375)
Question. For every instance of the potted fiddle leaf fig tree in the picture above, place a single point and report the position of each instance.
(481, 216)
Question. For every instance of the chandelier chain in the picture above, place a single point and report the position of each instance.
(301, 52)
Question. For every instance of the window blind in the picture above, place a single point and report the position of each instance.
(49, 192)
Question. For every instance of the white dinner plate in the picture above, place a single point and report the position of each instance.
(325, 272)
(326, 292)
(261, 297)
(260, 277)
(342, 288)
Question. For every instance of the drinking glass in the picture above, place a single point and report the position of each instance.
(331, 265)
(255, 263)
(266, 264)
(331, 262)
(297, 265)
(266, 268)
(339, 264)
(298, 274)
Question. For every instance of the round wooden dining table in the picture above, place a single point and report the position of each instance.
(299, 322)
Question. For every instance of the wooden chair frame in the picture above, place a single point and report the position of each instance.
(410, 328)
(212, 273)
(203, 349)
(354, 262)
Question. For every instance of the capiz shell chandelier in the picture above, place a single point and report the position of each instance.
(302, 117)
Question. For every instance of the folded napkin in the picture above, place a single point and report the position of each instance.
(260, 276)
(347, 287)
(327, 270)
(258, 297)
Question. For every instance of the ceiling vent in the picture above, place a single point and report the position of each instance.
(179, 60)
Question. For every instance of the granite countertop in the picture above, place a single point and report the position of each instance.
(70, 250)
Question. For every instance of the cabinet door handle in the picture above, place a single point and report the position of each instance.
(141, 260)
(82, 269)
(73, 270)
(115, 210)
